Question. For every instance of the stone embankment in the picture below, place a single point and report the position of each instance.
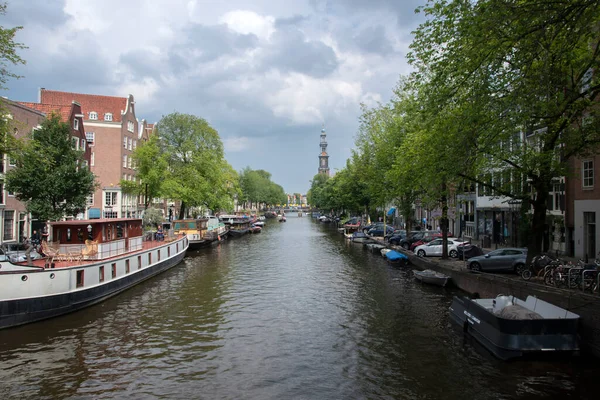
(490, 285)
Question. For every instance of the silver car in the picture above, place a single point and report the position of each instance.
(506, 259)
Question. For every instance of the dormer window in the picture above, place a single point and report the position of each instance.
(76, 124)
(108, 117)
(130, 126)
(93, 115)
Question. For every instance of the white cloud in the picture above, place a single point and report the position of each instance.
(245, 22)
(237, 144)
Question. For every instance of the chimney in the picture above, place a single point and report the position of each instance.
(40, 95)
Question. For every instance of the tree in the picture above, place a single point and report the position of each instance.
(196, 167)
(151, 166)
(509, 91)
(8, 50)
(48, 176)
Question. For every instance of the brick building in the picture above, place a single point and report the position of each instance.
(14, 219)
(112, 133)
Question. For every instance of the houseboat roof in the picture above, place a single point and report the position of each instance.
(85, 222)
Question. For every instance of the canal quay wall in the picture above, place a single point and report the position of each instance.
(491, 285)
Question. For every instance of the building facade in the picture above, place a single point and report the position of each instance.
(14, 219)
(112, 133)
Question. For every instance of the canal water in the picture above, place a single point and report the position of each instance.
(295, 312)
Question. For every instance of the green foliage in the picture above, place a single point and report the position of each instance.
(196, 172)
(152, 217)
(256, 187)
(151, 167)
(8, 50)
(48, 177)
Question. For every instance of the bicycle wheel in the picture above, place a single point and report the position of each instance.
(549, 278)
(526, 274)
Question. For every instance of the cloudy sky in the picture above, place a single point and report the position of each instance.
(267, 74)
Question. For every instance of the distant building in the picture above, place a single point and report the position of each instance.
(323, 157)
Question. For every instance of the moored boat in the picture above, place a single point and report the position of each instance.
(194, 229)
(239, 225)
(510, 327)
(396, 257)
(78, 272)
(431, 277)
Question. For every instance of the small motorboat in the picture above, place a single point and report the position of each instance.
(385, 251)
(431, 277)
(374, 247)
(510, 327)
(396, 257)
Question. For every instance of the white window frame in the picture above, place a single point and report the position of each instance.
(90, 137)
(134, 144)
(111, 199)
(128, 162)
(83, 144)
(130, 126)
(108, 117)
(89, 200)
(124, 161)
(124, 142)
(76, 124)
(587, 174)
(92, 158)
(130, 143)
(75, 142)
(93, 115)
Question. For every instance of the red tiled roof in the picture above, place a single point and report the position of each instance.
(63, 111)
(89, 102)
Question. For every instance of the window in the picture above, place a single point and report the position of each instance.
(124, 142)
(126, 266)
(11, 161)
(90, 136)
(134, 144)
(92, 158)
(113, 270)
(158, 256)
(80, 278)
(75, 143)
(93, 115)
(129, 162)
(9, 224)
(108, 117)
(130, 126)
(82, 144)
(76, 124)
(101, 274)
(124, 161)
(139, 258)
(110, 199)
(84, 164)
(587, 170)
(130, 141)
(90, 200)
(111, 214)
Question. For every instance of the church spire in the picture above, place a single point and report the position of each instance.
(323, 157)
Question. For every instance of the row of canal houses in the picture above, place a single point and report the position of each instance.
(492, 220)
(104, 127)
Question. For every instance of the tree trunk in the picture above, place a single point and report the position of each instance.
(538, 222)
(182, 210)
(444, 223)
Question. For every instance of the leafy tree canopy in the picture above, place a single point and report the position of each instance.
(49, 177)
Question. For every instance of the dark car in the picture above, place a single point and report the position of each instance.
(378, 231)
(411, 238)
(507, 259)
(397, 236)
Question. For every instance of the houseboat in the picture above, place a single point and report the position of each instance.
(85, 262)
(238, 224)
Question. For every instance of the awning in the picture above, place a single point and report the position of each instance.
(391, 211)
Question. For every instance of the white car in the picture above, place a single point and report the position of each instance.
(434, 248)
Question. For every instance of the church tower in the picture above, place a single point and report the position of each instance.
(323, 157)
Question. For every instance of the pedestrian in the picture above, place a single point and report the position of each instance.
(28, 247)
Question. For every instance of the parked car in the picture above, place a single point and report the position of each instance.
(367, 228)
(506, 259)
(15, 253)
(468, 250)
(410, 238)
(378, 231)
(434, 248)
(427, 237)
(397, 236)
